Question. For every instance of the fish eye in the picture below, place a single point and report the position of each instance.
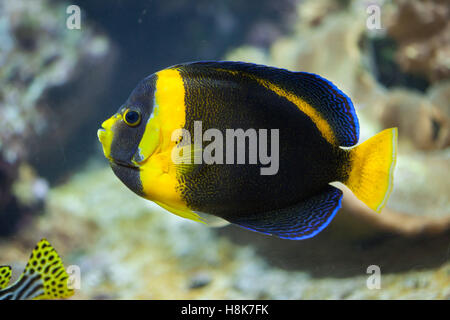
(132, 117)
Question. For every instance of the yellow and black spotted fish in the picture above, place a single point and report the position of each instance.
(44, 277)
(316, 125)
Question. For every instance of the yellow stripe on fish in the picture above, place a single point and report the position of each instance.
(168, 115)
(304, 106)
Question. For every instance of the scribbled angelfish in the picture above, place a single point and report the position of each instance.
(44, 277)
(317, 125)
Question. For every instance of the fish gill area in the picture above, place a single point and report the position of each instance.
(57, 84)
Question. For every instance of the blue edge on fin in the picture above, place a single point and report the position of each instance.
(345, 124)
(301, 221)
(326, 97)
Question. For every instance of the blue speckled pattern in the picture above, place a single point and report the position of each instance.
(334, 105)
(298, 222)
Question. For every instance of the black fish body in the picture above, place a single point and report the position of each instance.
(312, 121)
(307, 162)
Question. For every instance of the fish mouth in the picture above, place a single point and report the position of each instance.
(101, 133)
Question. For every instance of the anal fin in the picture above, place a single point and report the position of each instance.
(301, 221)
(186, 213)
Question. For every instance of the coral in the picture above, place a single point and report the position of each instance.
(36, 56)
(422, 31)
(128, 248)
(427, 125)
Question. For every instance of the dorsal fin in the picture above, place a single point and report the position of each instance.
(328, 107)
(45, 261)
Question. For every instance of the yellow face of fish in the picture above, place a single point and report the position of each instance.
(124, 136)
(138, 141)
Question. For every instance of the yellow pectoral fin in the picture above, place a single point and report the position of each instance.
(183, 159)
(184, 213)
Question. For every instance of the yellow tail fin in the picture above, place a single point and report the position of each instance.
(372, 166)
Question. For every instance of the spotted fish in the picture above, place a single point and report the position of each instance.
(44, 277)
